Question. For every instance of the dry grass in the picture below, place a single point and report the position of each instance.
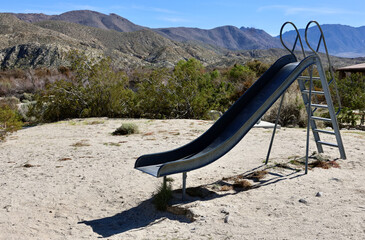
(81, 143)
(148, 134)
(226, 188)
(28, 165)
(242, 184)
(324, 164)
(257, 175)
(112, 144)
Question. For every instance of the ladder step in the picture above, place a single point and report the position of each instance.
(324, 131)
(321, 119)
(328, 144)
(313, 92)
(308, 78)
(319, 105)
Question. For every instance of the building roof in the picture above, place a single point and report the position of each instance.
(353, 68)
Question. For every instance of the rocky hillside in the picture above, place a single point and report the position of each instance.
(87, 18)
(35, 43)
(45, 44)
(228, 37)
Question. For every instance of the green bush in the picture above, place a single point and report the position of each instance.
(126, 129)
(292, 112)
(162, 196)
(9, 121)
(352, 94)
(95, 90)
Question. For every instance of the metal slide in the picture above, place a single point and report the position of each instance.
(227, 131)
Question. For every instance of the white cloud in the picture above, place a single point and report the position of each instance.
(174, 19)
(290, 10)
(153, 9)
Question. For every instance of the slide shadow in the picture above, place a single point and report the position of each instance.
(145, 214)
(138, 217)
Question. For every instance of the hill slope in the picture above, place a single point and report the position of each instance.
(87, 18)
(228, 37)
(44, 43)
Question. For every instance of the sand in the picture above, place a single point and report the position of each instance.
(74, 180)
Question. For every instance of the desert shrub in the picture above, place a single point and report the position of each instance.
(258, 67)
(352, 94)
(94, 90)
(154, 97)
(126, 129)
(348, 117)
(162, 196)
(292, 112)
(11, 102)
(191, 89)
(9, 121)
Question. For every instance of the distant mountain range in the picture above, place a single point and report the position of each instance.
(87, 18)
(41, 40)
(228, 37)
(341, 40)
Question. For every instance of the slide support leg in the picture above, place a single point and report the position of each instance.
(184, 175)
(274, 131)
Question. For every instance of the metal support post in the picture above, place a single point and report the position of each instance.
(309, 107)
(164, 182)
(184, 186)
(274, 131)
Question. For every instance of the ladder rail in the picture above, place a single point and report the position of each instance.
(322, 40)
(331, 109)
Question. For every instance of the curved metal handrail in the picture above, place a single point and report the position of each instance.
(296, 39)
(330, 68)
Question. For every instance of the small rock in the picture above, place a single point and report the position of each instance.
(319, 194)
(224, 211)
(226, 218)
(302, 200)
(214, 114)
(335, 179)
(7, 208)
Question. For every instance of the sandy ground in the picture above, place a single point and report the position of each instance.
(74, 180)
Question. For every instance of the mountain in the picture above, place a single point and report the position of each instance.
(341, 40)
(87, 18)
(228, 37)
(45, 43)
(40, 41)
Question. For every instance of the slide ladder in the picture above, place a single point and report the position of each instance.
(316, 94)
(306, 86)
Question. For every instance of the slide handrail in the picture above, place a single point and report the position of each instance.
(296, 39)
(322, 40)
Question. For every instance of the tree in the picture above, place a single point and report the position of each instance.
(9, 121)
(94, 89)
(352, 95)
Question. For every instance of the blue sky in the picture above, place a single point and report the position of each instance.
(263, 14)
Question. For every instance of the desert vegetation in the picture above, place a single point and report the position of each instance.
(352, 94)
(95, 87)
